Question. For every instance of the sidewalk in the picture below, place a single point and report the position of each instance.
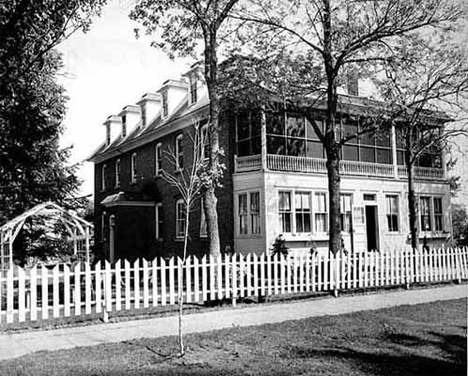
(15, 345)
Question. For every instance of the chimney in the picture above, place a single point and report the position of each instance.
(112, 123)
(172, 92)
(150, 105)
(130, 116)
(196, 84)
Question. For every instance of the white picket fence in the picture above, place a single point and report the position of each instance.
(45, 293)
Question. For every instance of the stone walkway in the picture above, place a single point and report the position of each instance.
(17, 344)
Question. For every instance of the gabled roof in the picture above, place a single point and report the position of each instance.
(155, 129)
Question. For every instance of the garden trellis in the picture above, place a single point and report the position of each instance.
(78, 230)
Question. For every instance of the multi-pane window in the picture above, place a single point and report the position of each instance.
(243, 214)
(165, 106)
(124, 126)
(425, 213)
(438, 215)
(302, 211)
(158, 159)
(255, 212)
(133, 168)
(285, 212)
(321, 213)
(103, 177)
(117, 173)
(193, 88)
(180, 152)
(249, 141)
(180, 218)
(345, 212)
(159, 220)
(392, 213)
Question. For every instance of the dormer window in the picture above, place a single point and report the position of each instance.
(133, 167)
(193, 89)
(143, 115)
(124, 126)
(165, 105)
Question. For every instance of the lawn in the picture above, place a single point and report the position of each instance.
(426, 339)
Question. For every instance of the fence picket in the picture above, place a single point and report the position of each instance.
(283, 273)
(128, 301)
(10, 307)
(219, 277)
(464, 252)
(234, 276)
(44, 292)
(154, 282)
(196, 279)
(88, 288)
(21, 295)
(136, 284)
(248, 274)
(55, 292)
(270, 279)
(241, 276)
(313, 262)
(77, 294)
(255, 275)
(307, 271)
(163, 282)
(263, 282)
(108, 286)
(227, 275)
(204, 279)
(146, 293)
(276, 273)
(288, 275)
(188, 276)
(98, 287)
(294, 273)
(118, 285)
(171, 281)
(66, 290)
(33, 286)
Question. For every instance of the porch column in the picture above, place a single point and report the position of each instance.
(263, 140)
(394, 153)
(87, 243)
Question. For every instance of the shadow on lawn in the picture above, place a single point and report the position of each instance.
(401, 359)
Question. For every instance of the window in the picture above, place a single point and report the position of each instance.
(255, 212)
(103, 226)
(143, 115)
(438, 215)
(180, 152)
(243, 214)
(392, 213)
(103, 177)
(124, 126)
(117, 173)
(133, 168)
(321, 213)
(180, 218)
(203, 227)
(193, 88)
(302, 210)
(205, 142)
(159, 219)
(248, 133)
(165, 107)
(285, 212)
(158, 159)
(425, 213)
(345, 212)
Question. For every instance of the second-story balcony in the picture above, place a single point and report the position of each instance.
(347, 168)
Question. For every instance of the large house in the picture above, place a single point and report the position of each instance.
(275, 180)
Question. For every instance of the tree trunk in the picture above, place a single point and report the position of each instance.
(211, 78)
(412, 206)
(334, 180)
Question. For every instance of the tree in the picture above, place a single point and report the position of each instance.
(189, 183)
(181, 24)
(33, 167)
(433, 77)
(30, 29)
(330, 41)
(460, 225)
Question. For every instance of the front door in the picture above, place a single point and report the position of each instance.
(372, 228)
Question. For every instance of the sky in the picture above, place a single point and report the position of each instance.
(108, 68)
(104, 70)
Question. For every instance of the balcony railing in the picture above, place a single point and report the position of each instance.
(318, 165)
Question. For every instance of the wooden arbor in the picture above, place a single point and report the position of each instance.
(78, 229)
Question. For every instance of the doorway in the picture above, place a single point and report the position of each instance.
(372, 227)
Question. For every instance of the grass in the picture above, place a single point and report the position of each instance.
(426, 339)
